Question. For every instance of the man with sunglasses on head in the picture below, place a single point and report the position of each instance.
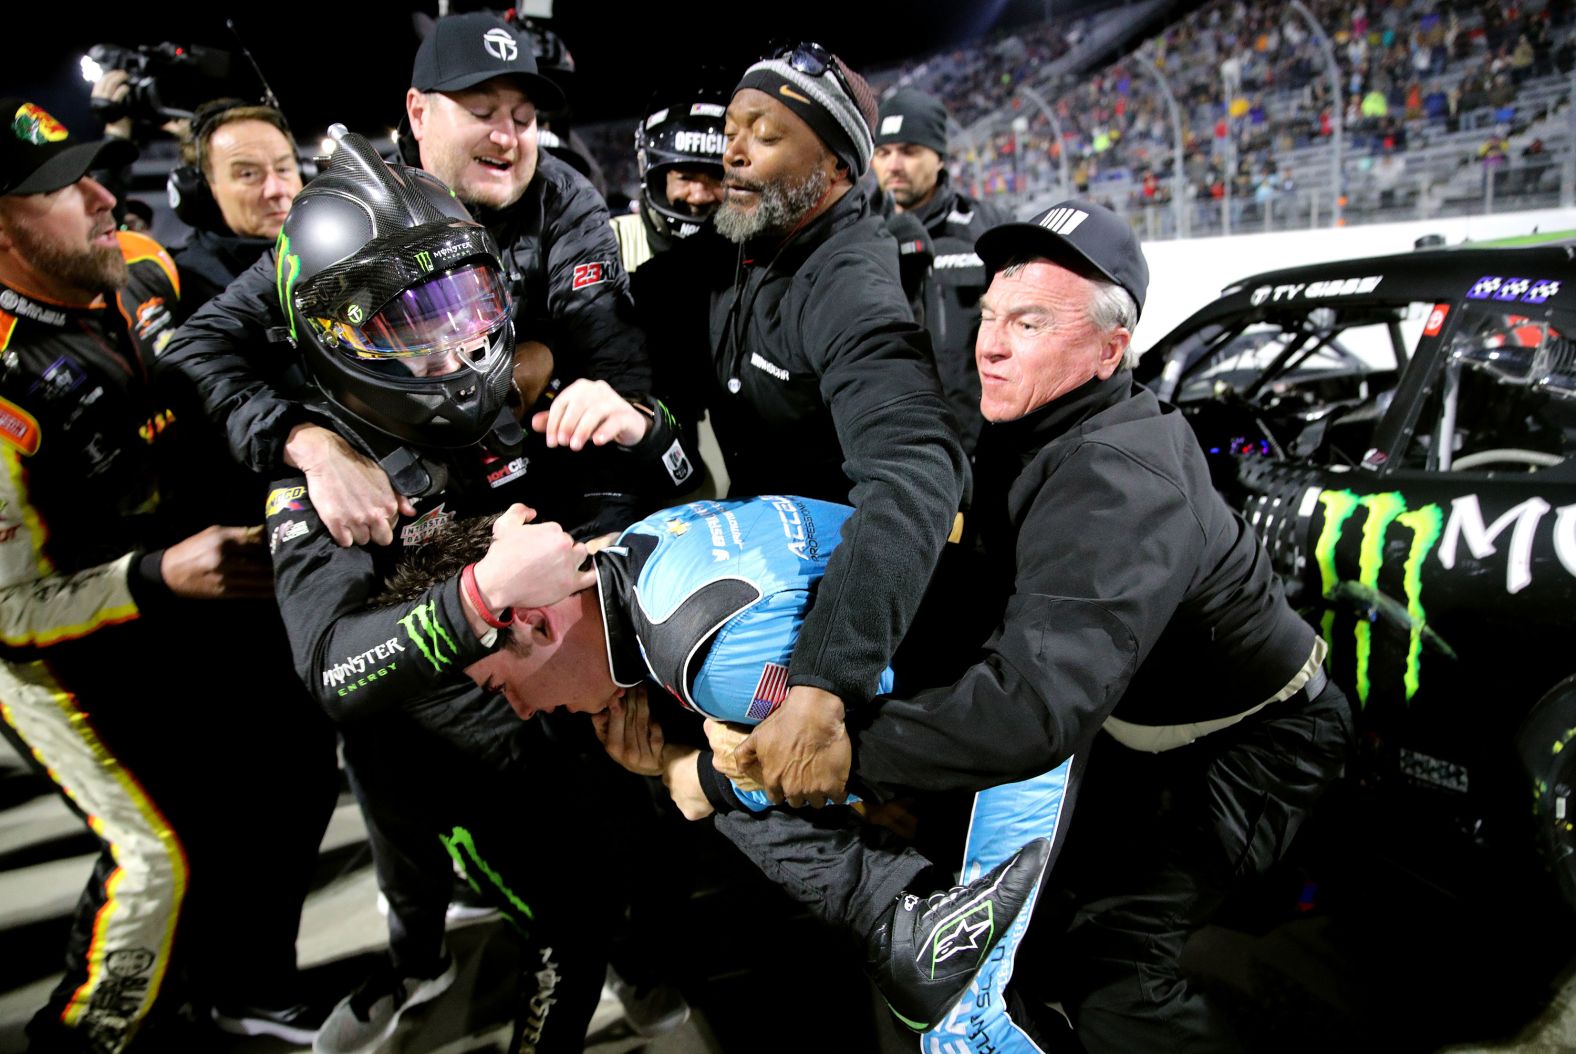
(818, 383)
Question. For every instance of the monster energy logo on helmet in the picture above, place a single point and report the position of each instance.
(287, 269)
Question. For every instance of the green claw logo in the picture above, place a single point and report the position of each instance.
(424, 258)
(429, 636)
(1424, 524)
(287, 269)
(462, 847)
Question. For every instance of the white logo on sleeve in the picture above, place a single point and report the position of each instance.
(769, 367)
(500, 44)
(1063, 221)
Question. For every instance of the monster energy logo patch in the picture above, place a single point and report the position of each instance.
(462, 847)
(425, 630)
(424, 258)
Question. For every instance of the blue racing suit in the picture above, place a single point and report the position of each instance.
(707, 599)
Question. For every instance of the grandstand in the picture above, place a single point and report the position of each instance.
(1447, 110)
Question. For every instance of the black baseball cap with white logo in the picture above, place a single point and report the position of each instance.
(1077, 233)
(38, 155)
(464, 50)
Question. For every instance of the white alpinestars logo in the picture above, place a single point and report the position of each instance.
(500, 44)
(1063, 221)
(961, 937)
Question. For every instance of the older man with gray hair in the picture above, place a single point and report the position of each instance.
(1135, 645)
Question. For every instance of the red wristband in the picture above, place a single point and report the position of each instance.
(473, 593)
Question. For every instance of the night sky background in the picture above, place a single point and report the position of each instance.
(330, 61)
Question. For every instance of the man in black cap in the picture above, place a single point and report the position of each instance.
(1135, 639)
(95, 586)
(910, 164)
(472, 106)
(818, 382)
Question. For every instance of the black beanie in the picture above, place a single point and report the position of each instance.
(911, 116)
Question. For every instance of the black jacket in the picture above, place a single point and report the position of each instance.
(202, 483)
(563, 269)
(955, 222)
(819, 383)
(209, 262)
(1128, 595)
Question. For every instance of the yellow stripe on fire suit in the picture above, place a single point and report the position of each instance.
(144, 893)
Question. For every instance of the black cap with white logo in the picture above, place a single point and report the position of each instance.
(464, 50)
(1078, 234)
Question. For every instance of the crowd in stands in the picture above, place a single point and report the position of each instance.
(1433, 98)
(1254, 96)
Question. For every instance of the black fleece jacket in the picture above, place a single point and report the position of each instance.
(819, 383)
(1130, 597)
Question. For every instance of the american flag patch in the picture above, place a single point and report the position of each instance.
(770, 691)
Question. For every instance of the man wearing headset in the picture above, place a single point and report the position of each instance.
(237, 177)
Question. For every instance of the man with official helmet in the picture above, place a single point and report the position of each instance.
(678, 148)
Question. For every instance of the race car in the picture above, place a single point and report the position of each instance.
(1401, 433)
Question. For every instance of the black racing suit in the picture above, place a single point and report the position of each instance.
(819, 383)
(429, 753)
(955, 221)
(83, 611)
(1126, 597)
(562, 266)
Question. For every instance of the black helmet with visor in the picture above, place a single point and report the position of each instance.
(396, 298)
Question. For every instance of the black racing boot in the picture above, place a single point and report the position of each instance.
(926, 951)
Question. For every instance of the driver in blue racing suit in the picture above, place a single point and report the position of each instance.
(706, 601)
